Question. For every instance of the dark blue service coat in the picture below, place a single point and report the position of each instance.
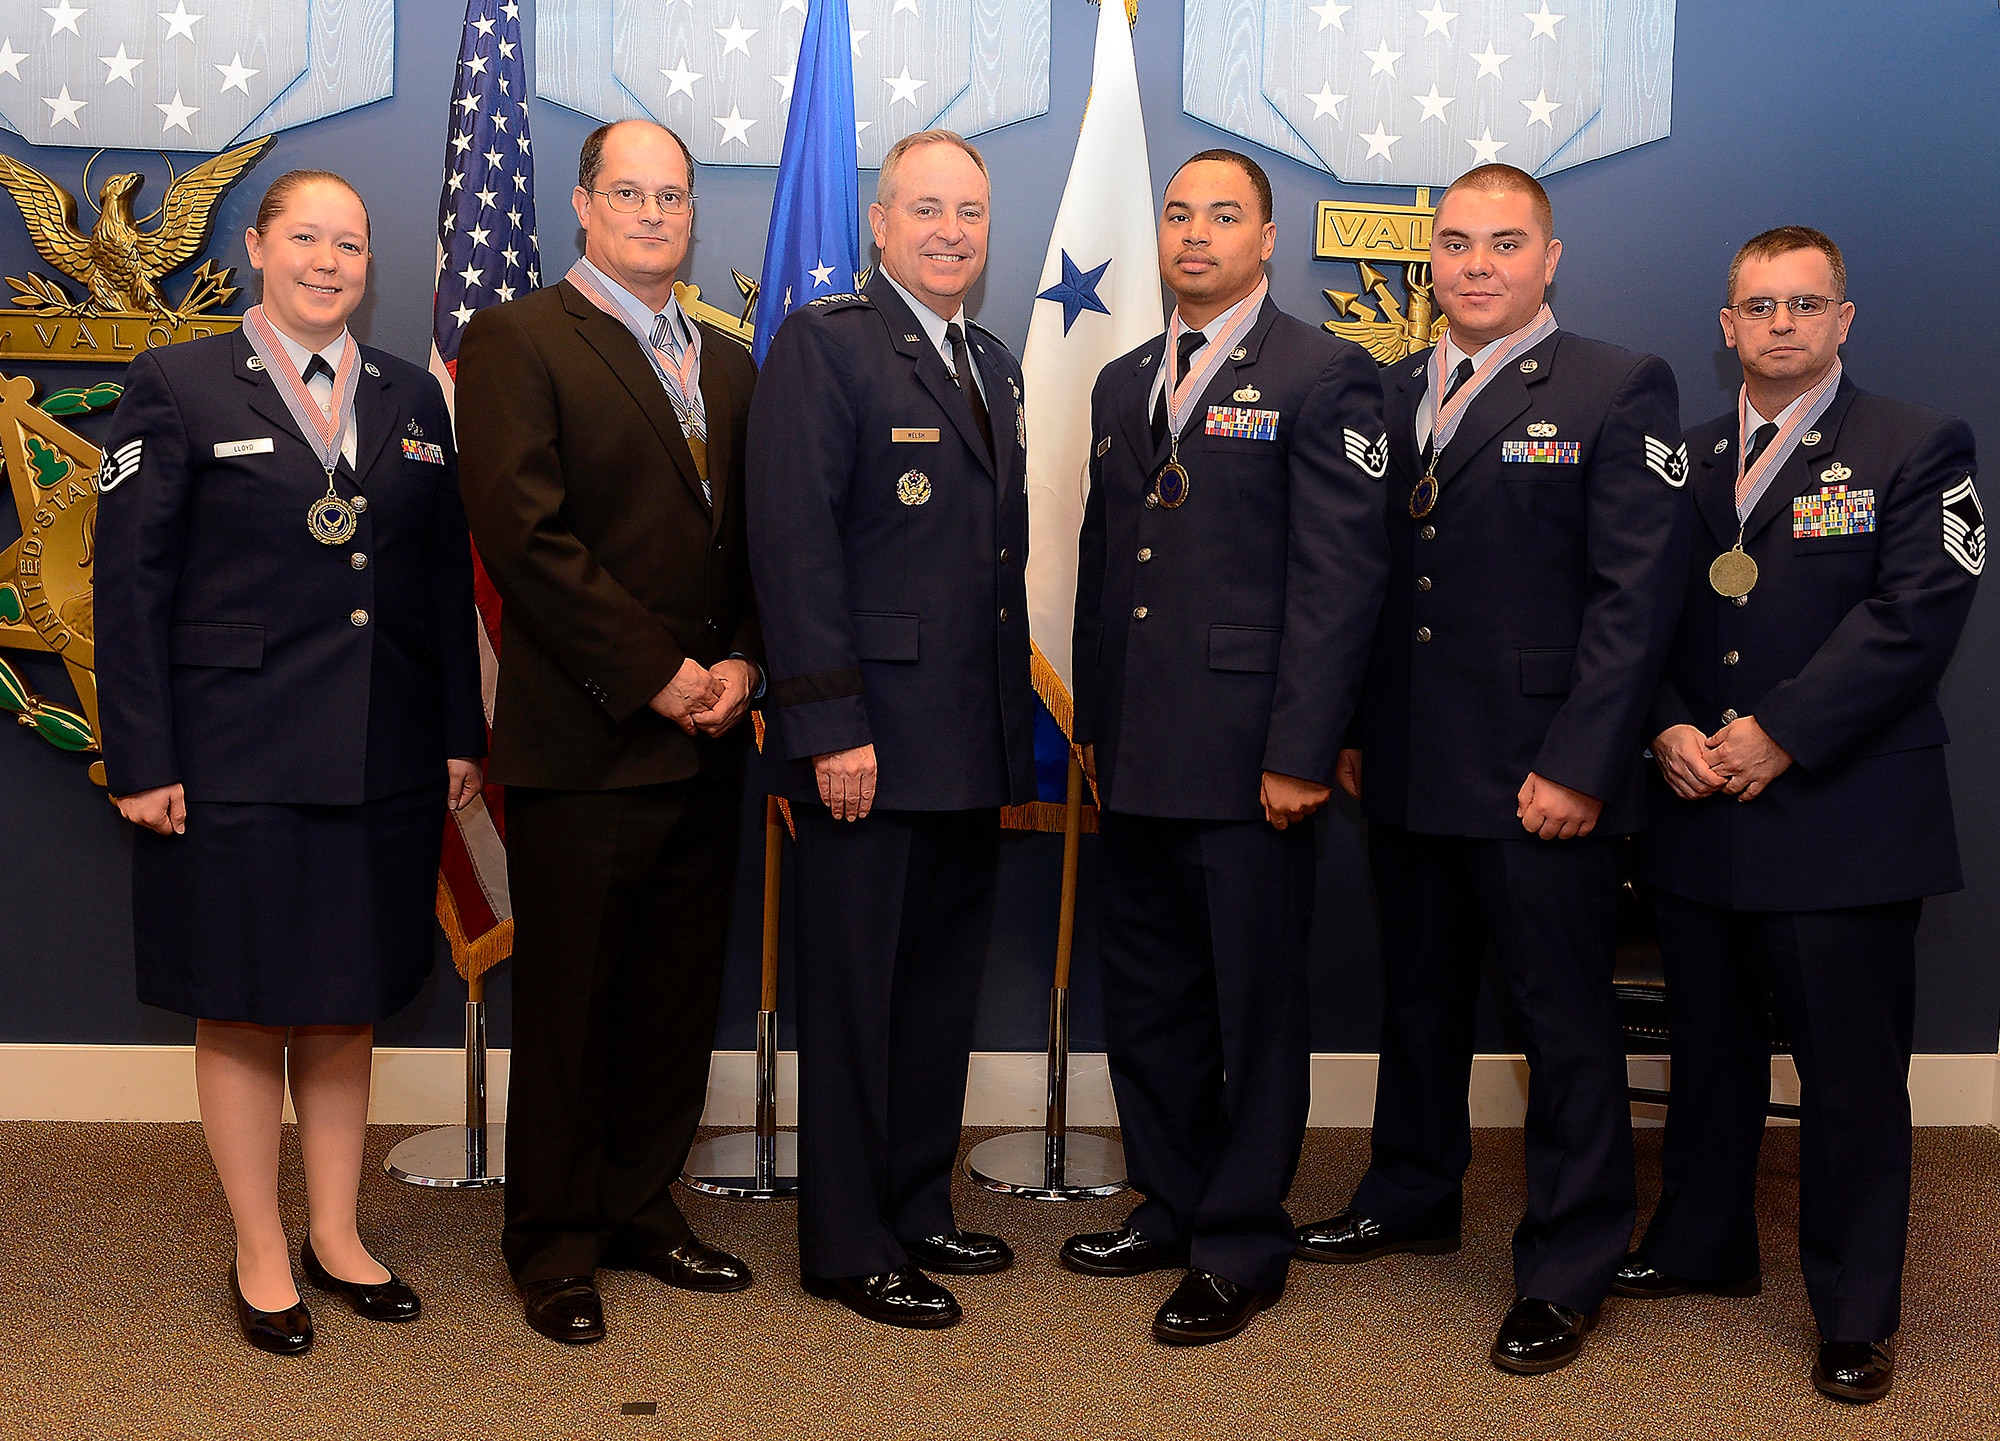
(1226, 637)
(1529, 613)
(888, 552)
(236, 654)
(1837, 652)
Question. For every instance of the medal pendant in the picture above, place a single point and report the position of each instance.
(1423, 496)
(1732, 574)
(1172, 485)
(330, 520)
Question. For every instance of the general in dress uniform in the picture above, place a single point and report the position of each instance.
(1802, 809)
(289, 683)
(1538, 526)
(888, 536)
(1231, 566)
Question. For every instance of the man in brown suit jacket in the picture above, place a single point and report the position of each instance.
(601, 444)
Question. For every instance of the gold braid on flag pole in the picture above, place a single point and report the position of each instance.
(1049, 815)
(473, 958)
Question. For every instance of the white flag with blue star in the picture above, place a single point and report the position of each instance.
(1099, 297)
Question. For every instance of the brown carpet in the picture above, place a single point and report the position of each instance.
(115, 1322)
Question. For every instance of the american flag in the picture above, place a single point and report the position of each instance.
(487, 254)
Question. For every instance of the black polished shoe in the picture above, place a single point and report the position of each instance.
(960, 1253)
(1539, 1336)
(564, 1309)
(283, 1333)
(1206, 1307)
(388, 1300)
(1351, 1236)
(904, 1297)
(1643, 1281)
(693, 1266)
(1855, 1370)
(1123, 1252)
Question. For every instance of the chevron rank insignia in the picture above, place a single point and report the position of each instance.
(1371, 456)
(1965, 527)
(123, 465)
(1668, 462)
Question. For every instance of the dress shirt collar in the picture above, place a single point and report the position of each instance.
(639, 317)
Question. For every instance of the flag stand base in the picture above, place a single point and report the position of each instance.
(459, 1157)
(759, 1165)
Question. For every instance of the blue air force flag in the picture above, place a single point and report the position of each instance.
(1099, 297)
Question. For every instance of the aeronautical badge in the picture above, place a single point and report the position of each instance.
(1370, 456)
(1542, 430)
(1834, 474)
(1668, 462)
(1965, 527)
(123, 465)
(913, 488)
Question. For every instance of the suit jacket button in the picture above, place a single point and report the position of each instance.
(1730, 657)
(1423, 582)
(1138, 612)
(358, 561)
(1729, 717)
(1429, 532)
(359, 617)
(1424, 633)
(1003, 615)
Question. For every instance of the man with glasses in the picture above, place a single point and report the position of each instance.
(889, 525)
(601, 454)
(1840, 543)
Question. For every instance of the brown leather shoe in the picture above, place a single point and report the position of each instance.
(693, 1266)
(1858, 1371)
(1539, 1336)
(1643, 1281)
(1350, 1237)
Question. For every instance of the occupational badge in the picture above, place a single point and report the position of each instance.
(1836, 473)
(1250, 395)
(1542, 430)
(913, 487)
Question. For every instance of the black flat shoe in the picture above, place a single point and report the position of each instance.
(693, 1266)
(960, 1253)
(1350, 1237)
(1206, 1307)
(565, 1309)
(283, 1333)
(1123, 1252)
(1858, 1371)
(1645, 1282)
(905, 1297)
(1539, 1336)
(388, 1300)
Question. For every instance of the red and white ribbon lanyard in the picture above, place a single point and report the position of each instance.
(1446, 416)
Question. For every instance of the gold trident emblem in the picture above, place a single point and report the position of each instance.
(1371, 235)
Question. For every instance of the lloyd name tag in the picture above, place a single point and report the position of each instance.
(425, 450)
(1835, 510)
(914, 436)
(226, 449)
(1541, 452)
(1241, 424)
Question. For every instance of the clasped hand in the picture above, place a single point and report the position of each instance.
(706, 699)
(1740, 760)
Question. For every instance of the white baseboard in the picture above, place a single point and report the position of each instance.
(426, 1087)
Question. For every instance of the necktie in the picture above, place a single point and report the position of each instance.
(1459, 376)
(1190, 342)
(316, 367)
(968, 381)
(1760, 440)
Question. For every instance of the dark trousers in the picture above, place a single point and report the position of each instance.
(894, 915)
(1202, 948)
(1845, 986)
(1550, 910)
(621, 908)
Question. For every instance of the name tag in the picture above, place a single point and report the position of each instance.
(428, 451)
(914, 436)
(1836, 510)
(1240, 424)
(1541, 452)
(225, 449)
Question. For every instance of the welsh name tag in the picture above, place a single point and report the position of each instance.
(225, 449)
(428, 451)
(1835, 510)
(914, 436)
(1541, 452)
(1241, 424)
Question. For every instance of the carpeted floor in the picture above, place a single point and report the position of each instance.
(115, 1322)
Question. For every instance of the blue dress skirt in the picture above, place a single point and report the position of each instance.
(290, 915)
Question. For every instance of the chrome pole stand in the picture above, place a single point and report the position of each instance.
(1053, 1164)
(761, 1164)
(459, 1157)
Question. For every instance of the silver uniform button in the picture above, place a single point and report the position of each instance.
(1429, 532)
(1729, 717)
(1424, 633)
(1003, 615)
(1138, 612)
(1730, 657)
(359, 617)
(1003, 557)
(1423, 582)
(358, 561)
(1145, 554)
(360, 503)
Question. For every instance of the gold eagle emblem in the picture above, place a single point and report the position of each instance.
(1395, 331)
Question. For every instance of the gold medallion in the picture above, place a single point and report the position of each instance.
(1732, 574)
(1172, 485)
(1423, 497)
(331, 520)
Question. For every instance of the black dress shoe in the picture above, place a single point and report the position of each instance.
(1855, 1370)
(283, 1333)
(1123, 1252)
(693, 1266)
(903, 1297)
(564, 1309)
(960, 1253)
(1643, 1281)
(1351, 1236)
(1539, 1336)
(1206, 1307)
(388, 1300)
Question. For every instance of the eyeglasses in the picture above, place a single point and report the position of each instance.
(630, 199)
(1803, 307)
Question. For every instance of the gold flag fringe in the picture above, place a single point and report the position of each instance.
(1048, 815)
(473, 958)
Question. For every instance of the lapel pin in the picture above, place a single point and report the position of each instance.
(910, 340)
(1417, 373)
(1529, 367)
(1720, 446)
(255, 362)
(369, 366)
(1238, 353)
(1811, 437)
(1145, 360)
